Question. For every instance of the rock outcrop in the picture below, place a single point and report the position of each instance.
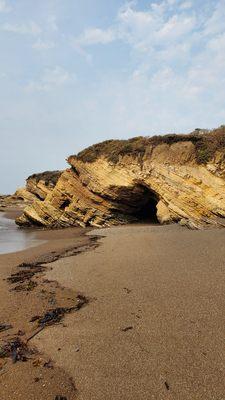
(173, 178)
(38, 186)
(10, 201)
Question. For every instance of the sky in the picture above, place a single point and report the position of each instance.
(76, 72)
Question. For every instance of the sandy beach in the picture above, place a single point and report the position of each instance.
(36, 378)
(153, 326)
(112, 200)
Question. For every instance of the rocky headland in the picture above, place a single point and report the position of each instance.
(172, 178)
(142, 302)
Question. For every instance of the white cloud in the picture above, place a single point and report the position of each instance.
(4, 6)
(43, 45)
(95, 36)
(176, 27)
(30, 28)
(52, 78)
(215, 23)
(179, 54)
(169, 31)
(144, 30)
(157, 27)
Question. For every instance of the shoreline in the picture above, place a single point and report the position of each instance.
(38, 377)
(152, 325)
(13, 239)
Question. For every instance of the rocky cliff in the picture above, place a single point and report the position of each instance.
(172, 178)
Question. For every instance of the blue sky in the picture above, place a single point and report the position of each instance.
(75, 72)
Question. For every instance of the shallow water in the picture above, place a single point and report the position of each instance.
(12, 238)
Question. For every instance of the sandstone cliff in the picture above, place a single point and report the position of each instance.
(173, 178)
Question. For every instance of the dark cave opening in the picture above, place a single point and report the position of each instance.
(148, 212)
(139, 203)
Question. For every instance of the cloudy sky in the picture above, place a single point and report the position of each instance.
(75, 72)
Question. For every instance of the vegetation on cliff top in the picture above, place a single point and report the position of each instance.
(49, 177)
(206, 144)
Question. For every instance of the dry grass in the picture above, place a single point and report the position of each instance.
(206, 144)
(49, 177)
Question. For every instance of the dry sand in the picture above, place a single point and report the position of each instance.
(154, 327)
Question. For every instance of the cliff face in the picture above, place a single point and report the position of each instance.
(170, 178)
(37, 187)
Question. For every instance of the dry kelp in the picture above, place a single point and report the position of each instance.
(55, 315)
(5, 327)
(24, 276)
(27, 271)
(16, 349)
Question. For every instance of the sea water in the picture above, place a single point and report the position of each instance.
(14, 239)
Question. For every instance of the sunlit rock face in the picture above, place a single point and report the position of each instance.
(37, 187)
(173, 178)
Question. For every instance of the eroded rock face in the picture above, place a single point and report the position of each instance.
(163, 180)
(38, 186)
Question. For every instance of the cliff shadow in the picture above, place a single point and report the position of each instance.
(137, 203)
(148, 212)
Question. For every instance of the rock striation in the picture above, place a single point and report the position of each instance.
(172, 178)
(37, 187)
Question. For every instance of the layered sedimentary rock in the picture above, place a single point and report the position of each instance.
(38, 186)
(173, 178)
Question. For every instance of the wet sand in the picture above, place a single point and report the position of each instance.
(154, 326)
(37, 378)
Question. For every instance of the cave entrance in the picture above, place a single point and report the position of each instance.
(148, 212)
(139, 203)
